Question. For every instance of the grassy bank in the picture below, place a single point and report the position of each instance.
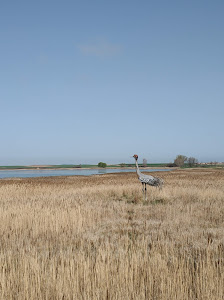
(74, 166)
(95, 237)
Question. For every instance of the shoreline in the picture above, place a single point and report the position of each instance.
(94, 168)
(19, 174)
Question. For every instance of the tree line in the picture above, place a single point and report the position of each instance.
(179, 161)
(182, 160)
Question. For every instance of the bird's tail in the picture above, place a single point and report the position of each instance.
(160, 183)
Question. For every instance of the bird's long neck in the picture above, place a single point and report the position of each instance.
(137, 168)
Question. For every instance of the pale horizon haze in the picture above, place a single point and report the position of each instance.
(89, 81)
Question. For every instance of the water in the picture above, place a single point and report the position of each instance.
(57, 172)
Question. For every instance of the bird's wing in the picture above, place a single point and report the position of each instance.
(148, 179)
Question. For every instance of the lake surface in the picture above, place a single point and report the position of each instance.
(83, 172)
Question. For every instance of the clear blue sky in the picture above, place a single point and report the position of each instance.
(89, 81)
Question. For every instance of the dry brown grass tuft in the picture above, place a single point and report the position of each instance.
(95, 237)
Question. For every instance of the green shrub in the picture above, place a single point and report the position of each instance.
(102, 165)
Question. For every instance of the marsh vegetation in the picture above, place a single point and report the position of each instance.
(95, 238)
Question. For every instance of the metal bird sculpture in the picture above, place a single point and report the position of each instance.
(147, 179)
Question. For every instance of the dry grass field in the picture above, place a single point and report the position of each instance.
(95, 238)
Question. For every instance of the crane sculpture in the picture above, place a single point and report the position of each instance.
(147, 179)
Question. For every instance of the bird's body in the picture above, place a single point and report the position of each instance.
(147, 179)
(150, 180)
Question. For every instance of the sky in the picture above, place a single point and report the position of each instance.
(89, 81)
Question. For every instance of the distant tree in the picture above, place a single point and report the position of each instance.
(171, 165)
(192, 161)
(180, 160)
(123, 165)
(102, 165)
(78, 166)
(144, 162)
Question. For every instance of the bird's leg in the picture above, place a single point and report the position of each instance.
(143, 189)
(145, 193)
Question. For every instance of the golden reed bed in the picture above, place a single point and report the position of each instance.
(95, 238)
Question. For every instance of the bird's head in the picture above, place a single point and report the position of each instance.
(135, 156)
